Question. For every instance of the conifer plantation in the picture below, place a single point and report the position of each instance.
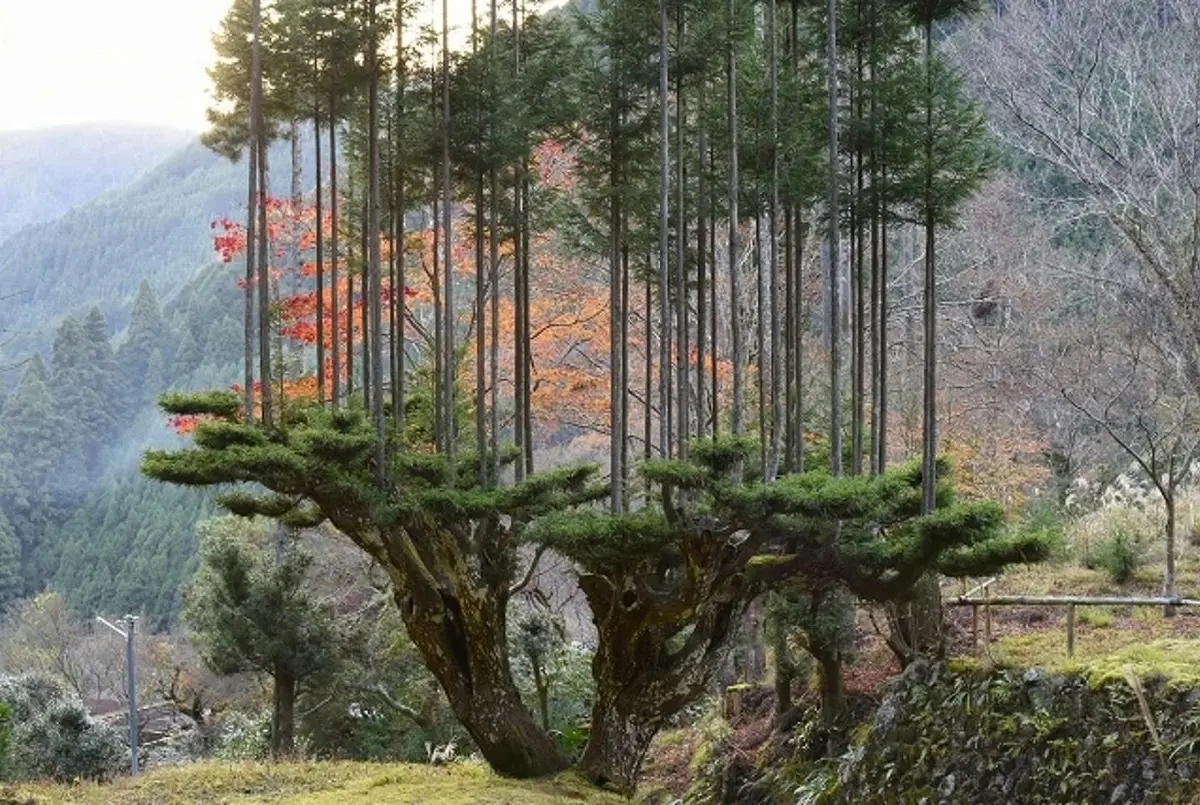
(667, 226)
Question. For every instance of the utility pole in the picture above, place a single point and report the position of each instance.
(131, 678)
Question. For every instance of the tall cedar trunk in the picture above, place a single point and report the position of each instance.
(735, 318)
(368, 334)
(448, 365)
(257, 141)
(526, 317)
(264, 282)
(713, 307)
(494, 262)
(859, 280)
(349, 346)
(334, 311)
(626, 464)
(283, 721)
(777, 394)
(833, 273)
(519, 345)
(399, 297)
(760, 336)
(616, 311)
(796, 345)
(929, 441)
(481, 438)
(682, 294)
(321, 378)
(702, 225)
(251, 254)
(462, 638)
(927, 607)
(664, 224)
(375, 268)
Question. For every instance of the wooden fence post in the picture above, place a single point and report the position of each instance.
(1070, 630)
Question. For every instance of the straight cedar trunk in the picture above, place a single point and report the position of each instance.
(374, 283)
(834, 320)
(283, 721)
(448, 366)
(664, 224)
(334, 312)
(735, 319)
(399, 300)
(321, 379)
(251, 271)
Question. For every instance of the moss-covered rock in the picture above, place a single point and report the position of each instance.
(965, 734)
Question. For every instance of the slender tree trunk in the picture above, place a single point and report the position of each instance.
(761, 368)
(833, 278)
(264, 282)
(375, 267)
(481, 445)
(494, 263)
(400, 280)
(334, 312)
(447, 245)
(735, 317)
(349, 269)
(682, 293)
(665, 380)
(251, 253)
(616, 312)
(929, 442)
(321, 377)
(1169, 575)
(777, 393)
(702, 226)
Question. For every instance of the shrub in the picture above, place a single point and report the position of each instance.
(5, 741)
(1121, 556)
(52, 735)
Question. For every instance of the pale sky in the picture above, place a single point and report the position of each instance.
(73, 61)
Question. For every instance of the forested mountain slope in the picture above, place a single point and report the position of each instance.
(157, 229)
(46, 172)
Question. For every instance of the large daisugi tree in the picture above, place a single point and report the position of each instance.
(606, 223)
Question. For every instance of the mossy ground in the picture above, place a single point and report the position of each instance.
(319, 784)
(1108, 639)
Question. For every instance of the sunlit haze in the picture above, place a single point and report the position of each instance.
(73, 61)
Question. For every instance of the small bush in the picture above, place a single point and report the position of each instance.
(1121, 556)
(52, 735)
(243, 737)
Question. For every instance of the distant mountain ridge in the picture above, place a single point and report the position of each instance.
(46, 172)
(156, 228)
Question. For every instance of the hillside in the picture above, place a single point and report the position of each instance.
(46, 172)
(156, 229)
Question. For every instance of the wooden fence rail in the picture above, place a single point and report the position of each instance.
(981, 597)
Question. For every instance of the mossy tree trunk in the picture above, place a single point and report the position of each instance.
(454, 609)
(648, 664)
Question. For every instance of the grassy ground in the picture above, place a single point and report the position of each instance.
(1107, 638)
(317, 784)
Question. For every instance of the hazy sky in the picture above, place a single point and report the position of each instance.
(70, 61)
